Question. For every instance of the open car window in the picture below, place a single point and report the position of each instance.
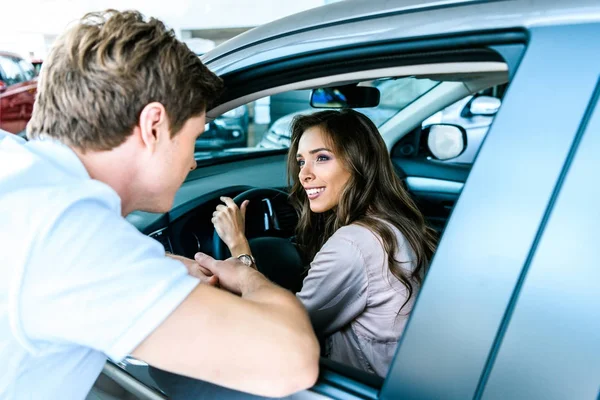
(264, 124)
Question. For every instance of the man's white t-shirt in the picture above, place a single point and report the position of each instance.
(78, 283)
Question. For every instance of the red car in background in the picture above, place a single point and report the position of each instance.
(18, 85)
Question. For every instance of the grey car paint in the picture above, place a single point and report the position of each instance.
(355, 22)
(463, 312)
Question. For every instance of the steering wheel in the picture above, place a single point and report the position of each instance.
(276, 257)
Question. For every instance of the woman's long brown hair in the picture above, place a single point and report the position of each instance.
(372, 194)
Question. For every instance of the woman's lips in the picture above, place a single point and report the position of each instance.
(313, 193)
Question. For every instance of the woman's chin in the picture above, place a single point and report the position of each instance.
(318, 208)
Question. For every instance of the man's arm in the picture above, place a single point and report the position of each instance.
(261, 342)
(112, 288)
(195, 270)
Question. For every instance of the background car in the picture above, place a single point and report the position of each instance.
(18, 85)
(229, 130)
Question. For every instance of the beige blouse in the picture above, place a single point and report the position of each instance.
(353, 299)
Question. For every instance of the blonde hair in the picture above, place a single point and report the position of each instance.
(103, 71)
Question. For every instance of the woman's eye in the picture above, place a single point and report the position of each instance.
(300, 163)
(322, 158)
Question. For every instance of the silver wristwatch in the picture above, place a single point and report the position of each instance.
(246, 259)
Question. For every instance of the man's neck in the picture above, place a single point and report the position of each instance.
(110, 168)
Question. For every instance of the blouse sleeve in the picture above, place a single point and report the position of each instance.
(335, 290)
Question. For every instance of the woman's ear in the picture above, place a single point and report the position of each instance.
(154, 125)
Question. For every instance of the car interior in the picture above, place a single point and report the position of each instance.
(259, 175)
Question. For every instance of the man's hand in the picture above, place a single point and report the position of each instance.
(197, 271)
(233, 275)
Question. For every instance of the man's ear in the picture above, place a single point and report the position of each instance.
(153, 124)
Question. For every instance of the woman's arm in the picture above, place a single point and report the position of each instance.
(229, 221)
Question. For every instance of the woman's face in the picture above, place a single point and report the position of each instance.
(322, 174)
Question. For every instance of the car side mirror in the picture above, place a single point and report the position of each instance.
(485, 105)
(445, 141)
(3, 86)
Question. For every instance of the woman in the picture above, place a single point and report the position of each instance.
(369, 243)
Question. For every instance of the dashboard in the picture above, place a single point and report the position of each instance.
(187, 228)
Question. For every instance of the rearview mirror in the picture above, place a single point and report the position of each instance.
(446, 141)
(3, 86)
(485, 105)
(345, 97)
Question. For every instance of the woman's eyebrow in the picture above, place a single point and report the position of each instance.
(320, 149)
(315, 151)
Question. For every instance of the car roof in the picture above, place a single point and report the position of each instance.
(357, 21)
(9, 54)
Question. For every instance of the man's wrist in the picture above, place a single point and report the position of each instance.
(252, 281)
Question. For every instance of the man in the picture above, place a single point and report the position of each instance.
(120, 104)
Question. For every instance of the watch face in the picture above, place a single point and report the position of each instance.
(246, 259)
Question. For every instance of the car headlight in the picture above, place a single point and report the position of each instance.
(235, 113)
(282, 128)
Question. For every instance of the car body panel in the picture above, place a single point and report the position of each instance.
(559, 289)
(452, 333)
(351, 23)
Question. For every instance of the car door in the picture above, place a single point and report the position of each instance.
(556, 304)
(467, 337)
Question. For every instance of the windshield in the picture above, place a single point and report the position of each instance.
(265, 124)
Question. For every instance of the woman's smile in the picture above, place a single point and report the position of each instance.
(314, 192)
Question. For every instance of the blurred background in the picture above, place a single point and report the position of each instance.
(29, 28)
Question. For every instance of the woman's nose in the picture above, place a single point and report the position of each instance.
(306, 173)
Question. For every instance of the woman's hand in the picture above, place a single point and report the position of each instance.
(229, 222)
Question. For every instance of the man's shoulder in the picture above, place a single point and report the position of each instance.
(47, 177)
